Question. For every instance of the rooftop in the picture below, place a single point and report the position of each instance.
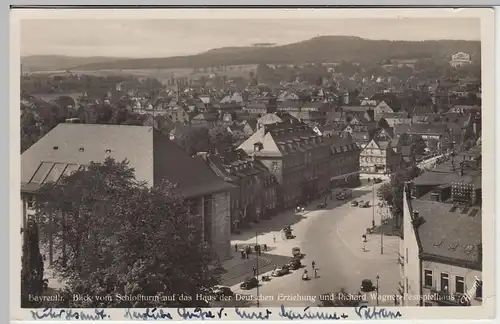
(152, 155)
(449, 231)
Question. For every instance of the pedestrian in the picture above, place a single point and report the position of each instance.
(265, 247)
(236, 248)
(315, 273)
(259, 252)
(274, 238)
(247, 255)
(313, 264)
(254, 271)
(243, 254)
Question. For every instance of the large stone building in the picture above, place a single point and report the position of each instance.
(154, 157)
(254, 195)
(441, 252)
(303, 162)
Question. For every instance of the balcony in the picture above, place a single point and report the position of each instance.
(444, 298)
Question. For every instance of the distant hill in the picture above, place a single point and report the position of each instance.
(59, 62)
(318, 49)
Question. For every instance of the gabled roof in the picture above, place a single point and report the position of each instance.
(153, 156)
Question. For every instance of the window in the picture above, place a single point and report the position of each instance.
(30, 201)
(479, 289)
(445, 282)
(275, 166)
(427, 278)
(459, 284)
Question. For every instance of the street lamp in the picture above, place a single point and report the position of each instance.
(373, 204)
(377, 287)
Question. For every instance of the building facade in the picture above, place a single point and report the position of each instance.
(300, 159)
(379, 157)
(254, 195)
(441, 252)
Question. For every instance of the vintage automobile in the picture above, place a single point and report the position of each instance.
(222, 291)
(321, 205)
(296, 253)
(295, 264)
(367, 286)
(364, 204)
(377, 180)
(354, 203)
(281, 271)
(249, 283)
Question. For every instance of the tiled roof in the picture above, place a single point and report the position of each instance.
(444, 173)
(153, 156)
(449, 232)
(269, 119)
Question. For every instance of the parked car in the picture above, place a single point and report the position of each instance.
(281, 271)
(354, 203)
(321, 205)
(295, 264)
(377, 180)
(222, 291)
(296, 252)
(249, 283)
(364, 204)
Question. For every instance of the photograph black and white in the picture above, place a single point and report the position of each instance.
(251, 162)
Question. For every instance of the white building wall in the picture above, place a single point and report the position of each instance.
(411, 280)
(469, 276)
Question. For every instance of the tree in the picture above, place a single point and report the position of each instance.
(32, 281)
(194, 140)
(384, 193)
(220, 138)
(119, 237)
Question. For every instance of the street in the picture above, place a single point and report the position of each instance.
(332, 238)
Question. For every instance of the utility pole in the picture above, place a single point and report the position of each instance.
(381, 240)
(257, 266)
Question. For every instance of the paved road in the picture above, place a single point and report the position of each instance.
(332, 238)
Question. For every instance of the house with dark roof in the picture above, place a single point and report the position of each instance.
(70, 147)
(441, 254)
(254, 196)
(304, 162)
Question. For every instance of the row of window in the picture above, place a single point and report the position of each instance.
(445, 283)
(372, 159)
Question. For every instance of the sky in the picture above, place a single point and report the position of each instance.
(171, 37)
